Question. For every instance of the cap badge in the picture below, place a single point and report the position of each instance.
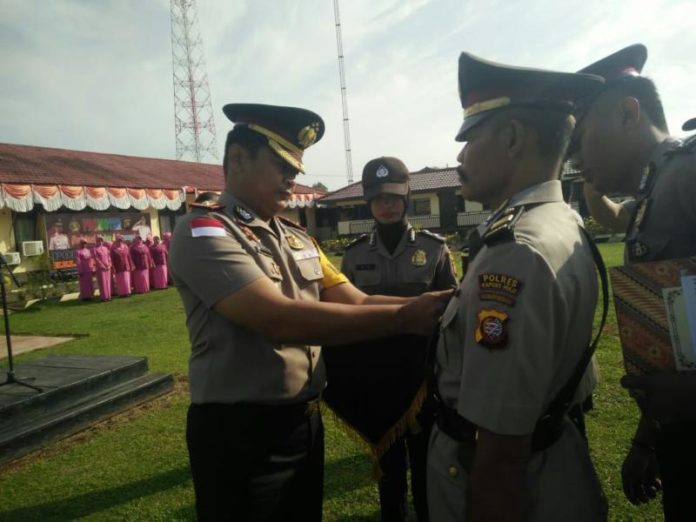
(307, 136)
(294, 242)
(419, 258)
(382, 172)
(243, 214)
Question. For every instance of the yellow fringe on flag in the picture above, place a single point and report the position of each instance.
(408, 421)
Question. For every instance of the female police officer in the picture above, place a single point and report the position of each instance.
(396, 260)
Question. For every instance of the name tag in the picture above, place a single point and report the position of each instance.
(305, 254)
(369, 266)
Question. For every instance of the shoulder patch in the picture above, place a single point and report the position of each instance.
(357, 240)
(503, 228)
(206, 226)
(291, 223)
(492, 328)
(432, 235)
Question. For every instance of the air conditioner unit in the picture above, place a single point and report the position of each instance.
(12, 258)
(32, 248)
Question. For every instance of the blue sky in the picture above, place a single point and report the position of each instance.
(97, 75)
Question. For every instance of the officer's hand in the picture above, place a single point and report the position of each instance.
(640, 475)
(421, 315)
(665, 397)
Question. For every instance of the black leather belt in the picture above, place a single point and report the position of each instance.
(546, 432)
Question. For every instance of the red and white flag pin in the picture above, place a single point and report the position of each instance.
(207, 227)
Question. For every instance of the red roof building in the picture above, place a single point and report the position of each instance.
(40, 185)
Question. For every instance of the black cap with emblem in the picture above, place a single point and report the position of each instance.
(385, 175)
(622, 66)
(289, 130)
(485, 88)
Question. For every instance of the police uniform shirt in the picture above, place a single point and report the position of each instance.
(509, 341)
(214, 255)
(663, 224)
(421, 262)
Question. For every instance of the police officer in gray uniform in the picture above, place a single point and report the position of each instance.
(395, 259)
(251, 285)
(622, 145)
(518, 330)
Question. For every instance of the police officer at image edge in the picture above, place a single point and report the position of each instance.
(516, 339)
(623, 144)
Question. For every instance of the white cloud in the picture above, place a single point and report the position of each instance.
(97, 75)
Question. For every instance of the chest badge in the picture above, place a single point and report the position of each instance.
(243, 214)
(420, 258)
(294, 242)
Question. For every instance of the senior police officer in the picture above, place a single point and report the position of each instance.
(622, 145)
(251, 284)
(517, 333)
(395, 259)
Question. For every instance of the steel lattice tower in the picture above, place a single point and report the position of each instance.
(194, 125)
(344, 94)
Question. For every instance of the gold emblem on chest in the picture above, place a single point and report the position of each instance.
(420, 258)
(294, 242)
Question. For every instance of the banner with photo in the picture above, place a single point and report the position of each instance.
(65, 231)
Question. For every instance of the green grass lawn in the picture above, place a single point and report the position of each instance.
(134, 467)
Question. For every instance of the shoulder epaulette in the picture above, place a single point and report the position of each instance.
(291, 223)
(357, 240)
(207, 206)
(432, 235)
(503, 227)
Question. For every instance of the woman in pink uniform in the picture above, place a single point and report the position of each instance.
(166, 238)
(102, 256)
(123, 265)
(159, 257)
(85, 270)
(140, 254)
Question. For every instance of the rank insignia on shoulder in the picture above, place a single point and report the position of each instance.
(502, 228)
(294, 242)
(491, 330)
(357, 240)
(432, 235)
(207, 227)
(207, 205)
(420, 258)
(243, 214)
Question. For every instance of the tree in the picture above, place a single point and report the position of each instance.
(320, 187)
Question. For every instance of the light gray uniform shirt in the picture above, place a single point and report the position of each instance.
(214, 255)
(509, 341)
